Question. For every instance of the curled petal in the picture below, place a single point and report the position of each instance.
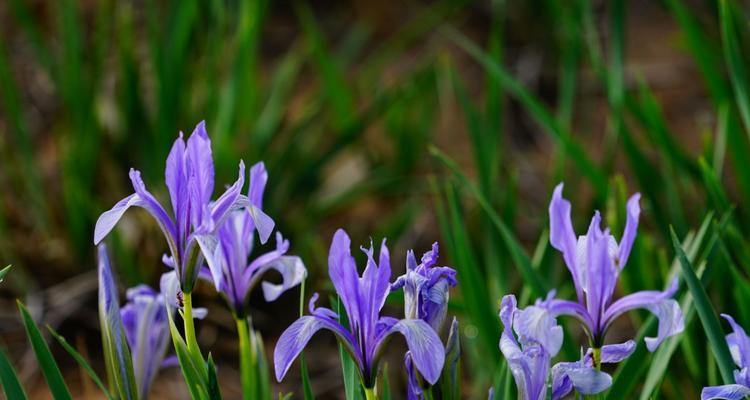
(292, 272)
(425, 346)
(726, 392)
(295, 338)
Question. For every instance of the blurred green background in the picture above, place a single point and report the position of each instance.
(417, 121)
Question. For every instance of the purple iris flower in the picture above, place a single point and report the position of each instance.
(426, 288)
(529, 351)
(228, 251)
(595, 261)
(425, 297)
(739, 346)
(368, 333)
(144, 318)
(190, 179)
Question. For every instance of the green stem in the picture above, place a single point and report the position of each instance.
(596, 358)
(187, 317)
(248, 360)
(370, 394)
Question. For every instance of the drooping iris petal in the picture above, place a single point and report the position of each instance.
(586, 380)
(296, 336)
(666, 309)
(426, 349)
(292, 272)
(726, 392)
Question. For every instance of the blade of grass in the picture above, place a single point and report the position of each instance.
(734, 61)
(707, 315)
(47, 363)
(9, 379)
(81, 361)
(537, 110)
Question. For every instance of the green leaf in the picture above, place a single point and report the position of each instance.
(306, 387)
(735, 64)
(213, 383)
(81, 361)
(352, 381)
(4, 272)
(47, 363)
(706, 313)
(8, 377)
(537, 110)
(195, 379)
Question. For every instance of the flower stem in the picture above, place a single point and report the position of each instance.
(370, 394)
(248, 360)
(187, 317)
(596, 359)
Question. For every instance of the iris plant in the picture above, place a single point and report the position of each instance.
(189, 177)
(739, 346)
(368, 332)
(595, 261)
(529, 351)
(234, 277)
(426, 288)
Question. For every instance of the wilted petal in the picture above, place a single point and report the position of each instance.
(631, 227)
(726, 392)
(292, 272)
(667, 310)
(561, 234)
(426, 349)
(295, 338)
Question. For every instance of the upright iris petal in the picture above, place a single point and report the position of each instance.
(146, 326)
(426, 288)
(529, 350)
(228, 251)
(368, 332)
(595, 261)
(739, 346)
(189, 176)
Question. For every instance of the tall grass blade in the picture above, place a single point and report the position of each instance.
(707, 315)
(47, 363)
(9, 379)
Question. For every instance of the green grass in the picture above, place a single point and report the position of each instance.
(423, 131)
